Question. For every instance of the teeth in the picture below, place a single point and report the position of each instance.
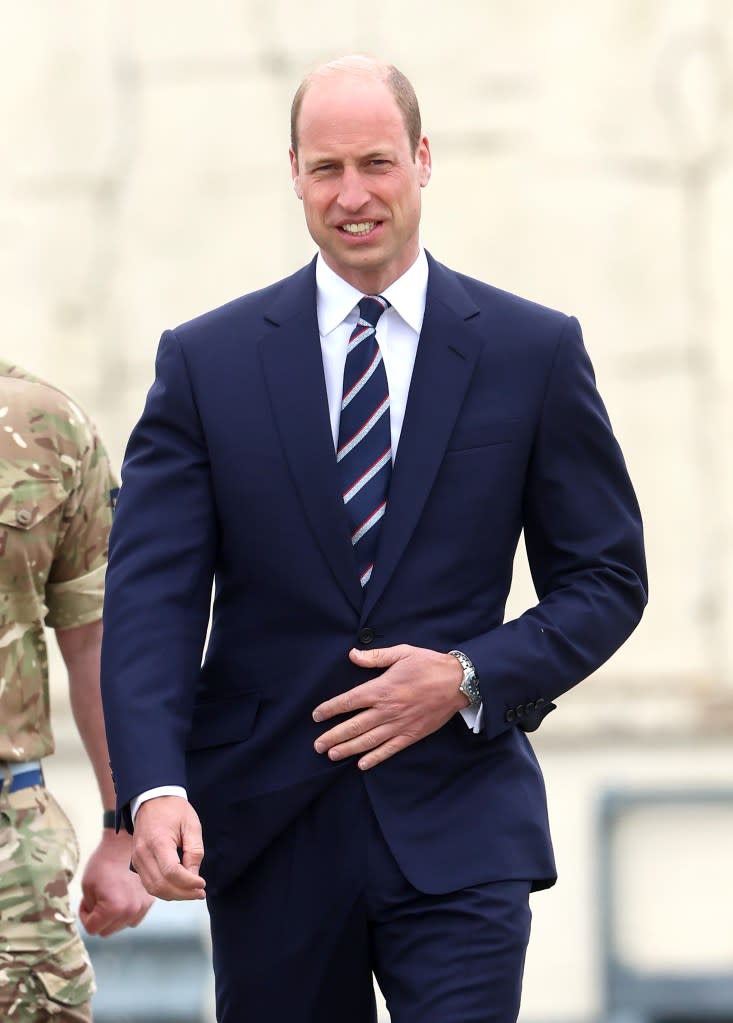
(360, 228)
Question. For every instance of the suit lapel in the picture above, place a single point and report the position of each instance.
(293, 368)
(446, 356)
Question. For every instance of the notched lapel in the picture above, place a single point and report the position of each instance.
(292, 365)
(446, 356)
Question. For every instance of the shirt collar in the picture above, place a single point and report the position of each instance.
(336, 298)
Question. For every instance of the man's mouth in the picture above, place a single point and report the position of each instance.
(359, 227)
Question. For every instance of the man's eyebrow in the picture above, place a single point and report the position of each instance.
(383, 153)
(374, 154)
(316, 161)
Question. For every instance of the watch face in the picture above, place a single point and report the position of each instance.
(469, 688)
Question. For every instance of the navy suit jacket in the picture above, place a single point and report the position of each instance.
(231, 475)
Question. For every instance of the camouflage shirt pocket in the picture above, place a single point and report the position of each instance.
(26, 501)
(69, 981)
(31, 512)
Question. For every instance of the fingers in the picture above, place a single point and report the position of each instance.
(414, 695)
(164, 875)
(116, 910)
(360, 733)
(347, 732)
(370, 742)
(366, 694)
(121, 924)
(143, 911)
(191, 851)
(103, 920)
(378, 658)
(168, 849)
(354, 699)
(88, 917)
(385, 751)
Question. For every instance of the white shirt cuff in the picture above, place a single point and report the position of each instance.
(474, 717)
(161, 790)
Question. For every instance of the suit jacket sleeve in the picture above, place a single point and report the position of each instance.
(158, 589)
(584, 543)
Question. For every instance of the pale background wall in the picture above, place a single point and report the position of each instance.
(582, 153)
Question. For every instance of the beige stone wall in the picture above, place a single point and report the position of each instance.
(582, 153)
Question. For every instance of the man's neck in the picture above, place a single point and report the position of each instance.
(371, 282)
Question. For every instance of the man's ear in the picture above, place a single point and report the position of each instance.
(295, 174)
(424, 160)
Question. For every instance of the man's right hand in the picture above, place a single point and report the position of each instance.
(163, 825)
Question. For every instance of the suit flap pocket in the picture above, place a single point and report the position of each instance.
(223, 720)
(478, 434)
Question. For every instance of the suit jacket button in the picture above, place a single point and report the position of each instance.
(509, 716)
(366, 636)
(520, 710)
(529, 707)
(539, 703)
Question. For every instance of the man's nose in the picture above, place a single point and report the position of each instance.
(352, 194)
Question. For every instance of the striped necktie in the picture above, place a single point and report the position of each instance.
(364, 450)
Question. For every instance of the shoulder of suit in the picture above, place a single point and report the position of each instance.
(499, 302)
(249, 307)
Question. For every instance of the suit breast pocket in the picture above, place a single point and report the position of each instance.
(224, 720)
(483, 432)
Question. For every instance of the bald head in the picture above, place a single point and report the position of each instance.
(364, 67)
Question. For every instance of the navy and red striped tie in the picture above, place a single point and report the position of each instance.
(364, 450)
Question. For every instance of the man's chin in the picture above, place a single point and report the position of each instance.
(364, 259)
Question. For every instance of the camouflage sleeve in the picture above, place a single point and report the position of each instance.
(75, 587)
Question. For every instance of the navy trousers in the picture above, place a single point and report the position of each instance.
(297, 937)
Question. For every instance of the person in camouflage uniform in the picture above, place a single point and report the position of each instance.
(56, 492)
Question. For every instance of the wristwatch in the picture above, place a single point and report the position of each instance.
(469, 685)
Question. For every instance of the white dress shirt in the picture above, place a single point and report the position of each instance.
(398, 333)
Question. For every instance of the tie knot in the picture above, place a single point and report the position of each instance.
(371, 308)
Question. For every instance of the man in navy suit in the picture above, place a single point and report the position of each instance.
(350, 764)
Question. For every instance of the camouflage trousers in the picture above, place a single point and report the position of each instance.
(45, 973)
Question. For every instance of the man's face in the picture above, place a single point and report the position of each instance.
(358, 179)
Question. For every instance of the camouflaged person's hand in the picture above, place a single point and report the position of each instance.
(113, 897)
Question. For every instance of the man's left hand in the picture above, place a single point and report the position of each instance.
(414, 696)
(113, 896)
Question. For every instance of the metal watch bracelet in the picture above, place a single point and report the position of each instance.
(469, 685)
